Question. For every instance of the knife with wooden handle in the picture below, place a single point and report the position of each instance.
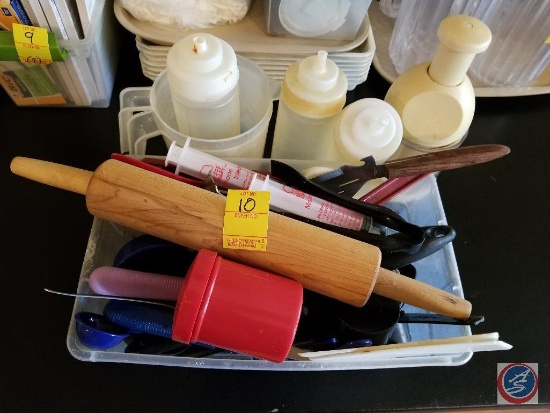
(348, 179)
(325, 262)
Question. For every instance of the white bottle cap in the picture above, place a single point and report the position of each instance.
(201, 68)
(312, 18)
(318, 73)
(315, 86)
(368, 127)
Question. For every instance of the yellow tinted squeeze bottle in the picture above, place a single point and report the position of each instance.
(313, 94)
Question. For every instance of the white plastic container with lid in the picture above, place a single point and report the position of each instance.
(203, 76)
(312, 18)
(313, 94)
(436, 100)
(368, 127)
(334, 19)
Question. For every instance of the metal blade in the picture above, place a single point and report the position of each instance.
(348, 179)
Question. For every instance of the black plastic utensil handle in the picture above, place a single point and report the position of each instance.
(435, 238)
(429, 318)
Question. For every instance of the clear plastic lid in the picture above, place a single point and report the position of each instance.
(311, 18)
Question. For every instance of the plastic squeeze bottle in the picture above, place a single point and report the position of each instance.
(436, 99)
(367, 127)
(204, 83)
(313, 93)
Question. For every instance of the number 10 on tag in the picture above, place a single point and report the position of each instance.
(245, 220)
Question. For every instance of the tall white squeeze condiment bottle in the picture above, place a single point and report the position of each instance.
(436, 99)
(313, 93)
(203, 76)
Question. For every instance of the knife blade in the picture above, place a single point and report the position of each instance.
(348, 179)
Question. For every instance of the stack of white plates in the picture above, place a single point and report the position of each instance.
(250, 39)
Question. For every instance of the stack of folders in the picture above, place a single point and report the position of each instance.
(68, 83)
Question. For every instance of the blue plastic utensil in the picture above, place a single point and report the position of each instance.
(98, 333)
(151, 254)
(140, 317)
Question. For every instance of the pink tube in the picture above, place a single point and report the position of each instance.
(136, 284)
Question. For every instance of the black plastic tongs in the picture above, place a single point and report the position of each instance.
(348, 179)
(409, 243)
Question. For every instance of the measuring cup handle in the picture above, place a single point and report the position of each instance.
(274, 88)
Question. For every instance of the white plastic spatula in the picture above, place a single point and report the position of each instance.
(479, 342)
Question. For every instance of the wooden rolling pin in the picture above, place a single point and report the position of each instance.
(325, 262)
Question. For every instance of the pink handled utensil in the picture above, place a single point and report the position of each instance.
(120, 282)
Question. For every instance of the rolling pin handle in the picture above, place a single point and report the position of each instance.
(400, 288)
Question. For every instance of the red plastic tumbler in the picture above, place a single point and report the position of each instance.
(238, 308)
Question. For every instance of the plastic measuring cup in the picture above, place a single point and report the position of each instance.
(256, 95)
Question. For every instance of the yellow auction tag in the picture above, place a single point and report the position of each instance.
(32, 44)
(245, 220)
(547, 40)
